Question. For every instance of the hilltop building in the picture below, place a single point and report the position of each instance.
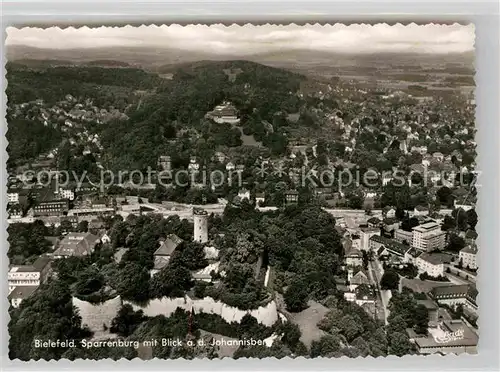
(224, 113)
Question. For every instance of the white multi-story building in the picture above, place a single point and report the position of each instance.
(428, 237)
(430, 264)
(364, 236)
(468, 257)
(13, 197)
(29, 275)
(66, 194)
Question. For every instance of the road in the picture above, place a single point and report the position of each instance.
(375, 271)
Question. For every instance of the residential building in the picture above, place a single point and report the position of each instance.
(373, 222)
(13, 196)
(164, 163)
(260, 198)
(54, 207)
(448, 337)
(411, 256)
(244, 194)
(66, 194)
(431, 264)
(77, 244)
(428, 237)
(421, 210)
(385, 246)
(401, 236)
(389, 212)
(164, 252)
(354, 258)
(365, 234)
(362, 294)
(291, 197)
(20, 293)
(468, 256)
(29, 275)
(356, 276)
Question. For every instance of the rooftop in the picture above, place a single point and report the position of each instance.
(434, 259)
(450, 291)
(22, 292)
(426, 227)
(450, 333)
(168, 246)
(391, 245)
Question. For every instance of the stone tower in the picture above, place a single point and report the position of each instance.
(200, 217)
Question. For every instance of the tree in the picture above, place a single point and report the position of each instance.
(83, 226)
(296, 295)
(89, 281)
(399, 344)
(326, 346)
(421, 317)
(390, 280)
(126, 320)
(133, 282)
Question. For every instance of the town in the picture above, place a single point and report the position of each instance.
(323, 217)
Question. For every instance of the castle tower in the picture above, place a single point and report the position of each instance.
(200, 217)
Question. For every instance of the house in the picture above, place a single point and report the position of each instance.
(12, 196)
(428, 237)
(431, 264)
(193, 165)
(364, 294)
(260, 198)
(77, 244)
(374, 222)
(244, 194)
(389, 212)
(448, 337)
(390, 224)
(402, 236)
(164, 163)
(438, 156)
(29, 275)
(105, 238)
(463, 205)
(164, 252)
(15, 211)
(354, 258)
(468, 256)
(421, 210)
(20, 293)
(411, 256)
(292, 196)
(384, 246)
(357, 276)
(365, 233)
(65, 193)
(386, 179)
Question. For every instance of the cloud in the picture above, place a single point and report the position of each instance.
(247, 39)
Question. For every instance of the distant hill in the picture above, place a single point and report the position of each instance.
(153, 58)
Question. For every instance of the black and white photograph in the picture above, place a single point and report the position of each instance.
(244, 191)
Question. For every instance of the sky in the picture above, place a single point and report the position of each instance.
(249, 39)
